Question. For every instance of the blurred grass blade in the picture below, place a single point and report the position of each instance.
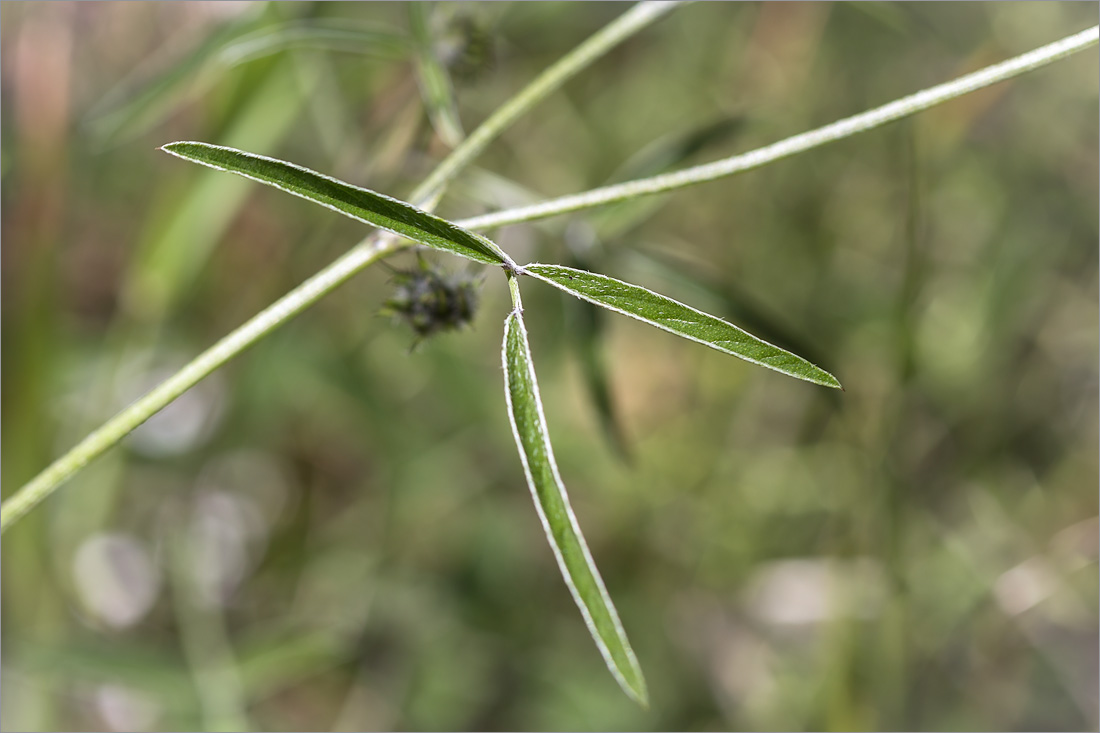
(138, 105)
(585, 324)
(386, 43)
(358, 203)
(677, 318)
(150, 95)
(435, 82)
(587, 337)
(664, 154)
(183, 226)
(676, 148)
(558, 520)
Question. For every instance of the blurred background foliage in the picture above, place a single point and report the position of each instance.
(334, 533)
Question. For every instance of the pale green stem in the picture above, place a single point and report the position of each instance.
(124, 422)
(513, 288)
(549, 80)
(363, 254)
(847, 127)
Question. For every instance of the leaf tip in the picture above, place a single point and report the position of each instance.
(641, 696)
(178, 146)
(632, 681)
(823, 378)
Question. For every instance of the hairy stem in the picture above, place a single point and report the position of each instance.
(839, 130)
(513, 289)
(363, 254)
(155, 400)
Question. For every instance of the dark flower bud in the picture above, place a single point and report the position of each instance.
(431, 300)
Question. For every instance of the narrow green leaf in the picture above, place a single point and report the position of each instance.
(558, 520)
(730, 300)
(358, 203)
(677, 318)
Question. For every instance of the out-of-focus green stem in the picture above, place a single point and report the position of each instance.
(155, 400)
(839, 130)
(205, 640)
(363, 254)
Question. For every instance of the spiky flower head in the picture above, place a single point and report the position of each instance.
(431, 300)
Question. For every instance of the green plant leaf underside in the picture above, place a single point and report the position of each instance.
(677, 318)
(558, 520)
(358, 203)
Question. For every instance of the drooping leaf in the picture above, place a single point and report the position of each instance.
(358, 203)
(677, 318)
(559, 522)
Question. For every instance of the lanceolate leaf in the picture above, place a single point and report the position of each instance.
(558, 520)
(677, 318)
(358, 203)
(735, 303)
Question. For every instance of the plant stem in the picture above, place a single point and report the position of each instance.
(548, 81)
(152, 402)
(363, 254)
(513, 289)
(839, 130)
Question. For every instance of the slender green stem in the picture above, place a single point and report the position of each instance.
(548, 81)
(126, 421)
(839, 130)
(363, 254)
(436, 87)
(513, 288)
